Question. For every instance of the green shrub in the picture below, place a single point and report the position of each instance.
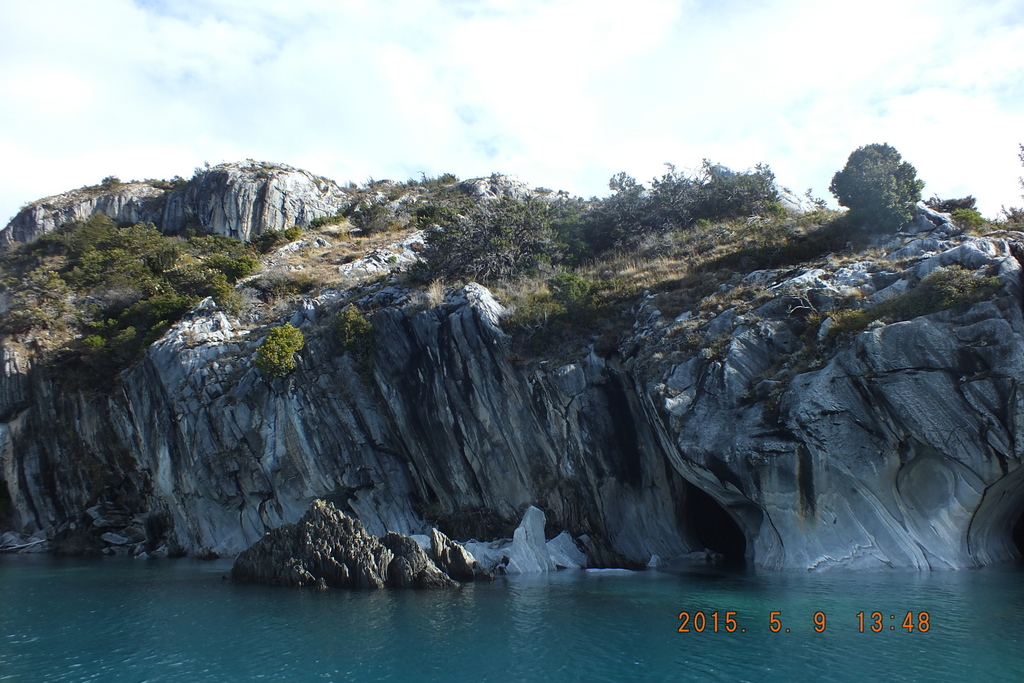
(323, 221)
(354, 332)
(676, 201)
(275, 356)
(220, 290)
(266, 241)
(282, 283)
(878, 187)
(951, 205)
(569, 289)
(372, 218)
(434, 214)
(968, 218)
(497, 240)
(234, 269)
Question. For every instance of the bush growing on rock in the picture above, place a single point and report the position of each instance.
(324, 221)
(372, 218)
(968, 218)
(1015, 216)
(951, 205)
(276, 355)
(270, 240)
(234, 269)
(878, 187)
(355, 332)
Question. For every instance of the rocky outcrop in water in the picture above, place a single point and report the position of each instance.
(328, 549)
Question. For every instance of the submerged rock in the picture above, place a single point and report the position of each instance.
(328, 549)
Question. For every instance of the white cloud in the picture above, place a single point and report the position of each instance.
(563, 93)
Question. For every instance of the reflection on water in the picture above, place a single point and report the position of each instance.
(74, 620)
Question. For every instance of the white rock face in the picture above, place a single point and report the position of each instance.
(249, 199)
(496, 187)
(528, 552)
(129, 203)
(239, 200)
(794, 202)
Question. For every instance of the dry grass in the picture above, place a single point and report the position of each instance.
(435, 293)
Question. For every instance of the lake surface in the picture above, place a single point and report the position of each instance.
(179, 620)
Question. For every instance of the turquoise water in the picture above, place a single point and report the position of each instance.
(179, 620)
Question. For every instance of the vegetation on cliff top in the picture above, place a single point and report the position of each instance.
(94, 294)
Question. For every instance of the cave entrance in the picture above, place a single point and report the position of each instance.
(1018, 535)
(713, 527)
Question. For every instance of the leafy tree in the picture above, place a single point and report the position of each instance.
(275, 356)
(878, 187)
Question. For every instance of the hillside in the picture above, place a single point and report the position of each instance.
(706, 363)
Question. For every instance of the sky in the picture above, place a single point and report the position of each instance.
(560, 93)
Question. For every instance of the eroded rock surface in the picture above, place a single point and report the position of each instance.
(328, 549)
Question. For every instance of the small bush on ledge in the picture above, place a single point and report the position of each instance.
(275, 356)
(355, 333)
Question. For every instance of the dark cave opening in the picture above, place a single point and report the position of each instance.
(712, 526)
(1018, 535)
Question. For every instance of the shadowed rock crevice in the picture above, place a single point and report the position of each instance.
(712, 526)
(1018, 535)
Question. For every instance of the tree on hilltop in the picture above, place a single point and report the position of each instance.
(878, 187)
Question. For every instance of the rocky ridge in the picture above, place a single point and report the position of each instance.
(241, 200)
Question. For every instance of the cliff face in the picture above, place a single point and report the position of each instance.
(444, 428)
(900, 450)
(753, 430)
(239, 200)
